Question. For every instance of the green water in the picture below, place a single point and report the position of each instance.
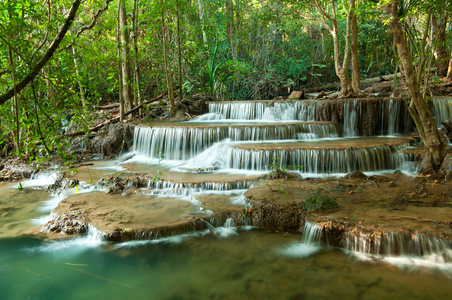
(246, 265)
(239, 264)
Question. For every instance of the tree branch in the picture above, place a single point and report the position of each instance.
(46, 57)
(94, 21)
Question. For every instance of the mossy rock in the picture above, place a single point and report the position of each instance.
(319, 202)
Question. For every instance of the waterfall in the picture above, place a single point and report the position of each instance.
(239, 110)
(177, 143)
(401, 244)
(185, 189)
(316, 160)
(264, 111)
(308, 110)
(442, 109)
(351, 118)
(312, 233)
(310, 242)
(315, 131)
(392, 110)
(183, 143)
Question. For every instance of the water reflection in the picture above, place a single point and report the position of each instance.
(247, 265)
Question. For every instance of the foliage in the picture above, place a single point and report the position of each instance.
(319, 202)
(262, 50)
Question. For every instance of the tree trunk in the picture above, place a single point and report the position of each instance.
(340, 67)
(356, 76)
(203, 25)
(432, 138)
(238, 31)
(136, 73)
(121, 94)
(82, 91)
(440, 52)
(179, 55)
(231, 29)
(449, 70)
(125, 59)
(168, 73)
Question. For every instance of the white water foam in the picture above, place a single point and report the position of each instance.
(406, 262)
(299, 250)
(211, 158)
(70, 247)
(56, 198)
(40, 179)
(222, 233)
(310, 242)
(42, 220)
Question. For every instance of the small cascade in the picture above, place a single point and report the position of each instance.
(93, 238)
(390, 108)
(239, 110)
(312, 233)
(308, 111)
(175, 143)
(310, 242)
(400, 244)
(263, 111)
(176, 188)
(316, 131)
(183, 143)
(316, 160)
(442, 109)
(351, 113)
(282, 112)
(257, 133)
(220, 226)
(230, 223)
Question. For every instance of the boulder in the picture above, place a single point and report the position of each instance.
(118, 139)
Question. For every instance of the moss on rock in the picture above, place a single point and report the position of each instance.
(319, 202)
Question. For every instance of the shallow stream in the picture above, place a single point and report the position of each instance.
(242, 265)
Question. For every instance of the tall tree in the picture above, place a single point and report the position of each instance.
(431, 136)
(356, 75)
(168, 72)
(125, 57)
(136, 69)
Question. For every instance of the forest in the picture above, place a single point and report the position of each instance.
(60, 60)
(225, 149)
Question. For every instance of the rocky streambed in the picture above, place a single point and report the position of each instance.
(127, 206)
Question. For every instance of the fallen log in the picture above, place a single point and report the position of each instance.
(109, 106)
(337, 85)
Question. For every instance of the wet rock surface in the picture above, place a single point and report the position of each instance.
(118, 138)
(15, 169)
(375, 204)
(72, 222)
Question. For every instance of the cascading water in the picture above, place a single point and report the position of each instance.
(390, 108)
(442, 109)
(183, 143)
(316, 160)
(311, 242)
(400, 244)
(351, 112)
(264, 111)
